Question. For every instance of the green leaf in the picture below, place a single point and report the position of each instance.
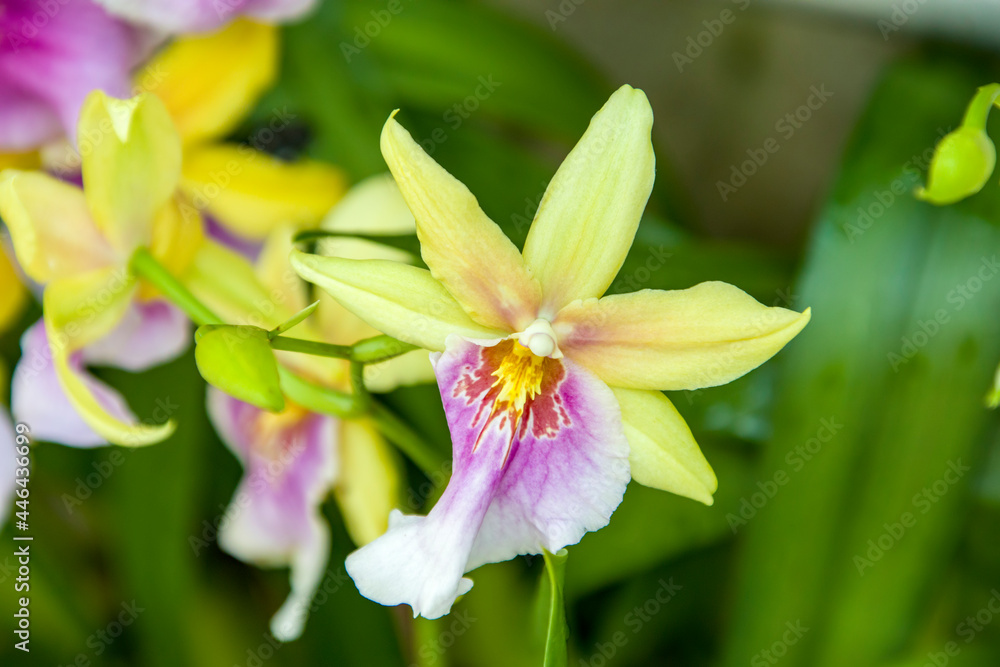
(239, 361)
(878, 397)
(553, 596)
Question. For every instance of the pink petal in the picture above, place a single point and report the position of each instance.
(274, 518)
(177, 16)
(518, 486)
(8, 467)
(150, 334)
(51, 56)
(37, 397)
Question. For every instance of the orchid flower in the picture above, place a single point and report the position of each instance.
(78, 243)
(551, 390)
(48, 67)
(209, 83)
(177, 16)
(294, 459)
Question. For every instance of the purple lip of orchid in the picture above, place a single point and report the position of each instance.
(540, 459)
(51, 56)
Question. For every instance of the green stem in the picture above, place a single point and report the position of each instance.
(368, 351)
(407, 441)
(379, 348)
(317, 398)
(313, 397)
(146, 266)
(979, 108)
(315, 348)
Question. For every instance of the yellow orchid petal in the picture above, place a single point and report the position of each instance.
(370, 481)
(226, 282)
(402, 371)
(78, 311)
(662, 451)
(86, 307)
(13, 295)
(589, 214)
(277, 275)
(178, 232)
(252, 193)
(465, 250)
(50, 227)
(131, 164)
(704, 336)
(375, 206)
(397, 299)
(210, 82)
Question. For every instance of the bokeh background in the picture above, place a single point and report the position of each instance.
(874, 413)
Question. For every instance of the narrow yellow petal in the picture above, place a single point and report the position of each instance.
(210, 82)
(79, 310)
(586, 220)
(13, 295)
(370, 481)
(375, 206)
(704, 336)
(662, 452)
(397, 299)
(252, 193)
(50, 226)
(465, 250)
(131, 165)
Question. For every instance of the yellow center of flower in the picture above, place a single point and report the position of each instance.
(518, 379)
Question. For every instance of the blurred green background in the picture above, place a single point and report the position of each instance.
(807, 557)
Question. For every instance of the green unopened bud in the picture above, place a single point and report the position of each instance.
(962, 163)
(239, 361)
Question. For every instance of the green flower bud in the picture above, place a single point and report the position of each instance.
(962, 163)
(239, 361)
